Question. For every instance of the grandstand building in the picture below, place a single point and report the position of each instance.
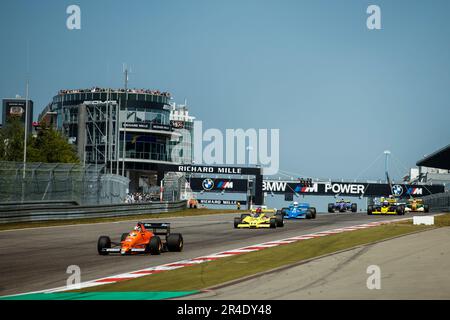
(435, 168)
(129, 131)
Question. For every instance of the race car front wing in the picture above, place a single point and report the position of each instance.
(254, 226)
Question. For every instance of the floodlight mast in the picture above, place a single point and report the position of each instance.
(386, 170)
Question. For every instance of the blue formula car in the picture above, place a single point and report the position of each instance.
(298, 211)
(342, 206)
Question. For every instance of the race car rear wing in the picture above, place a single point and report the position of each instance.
(158, 228)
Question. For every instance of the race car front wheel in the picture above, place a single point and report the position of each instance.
(313, 212)
(279, 219)
(104, 242)
(155, 245)
(175, 242)
(330, 208)
(237, 221)
(273, 223)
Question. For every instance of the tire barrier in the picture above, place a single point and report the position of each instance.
(38, 212)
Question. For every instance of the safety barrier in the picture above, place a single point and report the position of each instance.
(36, 204)
(30, 213)
(438, 202)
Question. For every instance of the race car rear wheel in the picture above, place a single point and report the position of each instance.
(175, 242)
(237, 221)
(330, 208)
(400, 210)
(280, 220)
(104, 242)
(123, 237)
(155, 245)
(369, 210)
(308, 214)
(354, 207)
(313, 212)
(273, 222)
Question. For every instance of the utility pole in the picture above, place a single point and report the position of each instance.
(26, 112)
(105, 157)
(25, 138)
(26, 131)
(110, 134)
(125, 121)
(117, 149)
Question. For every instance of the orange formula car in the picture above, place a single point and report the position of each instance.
(144, 238)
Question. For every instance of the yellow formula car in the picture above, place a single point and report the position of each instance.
(259, 219)
(416, 205)
(386, 206)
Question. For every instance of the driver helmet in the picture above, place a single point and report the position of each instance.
(295, 203)
(257, 212)
(138, 227)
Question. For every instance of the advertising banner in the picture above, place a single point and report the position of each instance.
(147, 125)
(15, 109)
(351, 189)
(177, 124)
(222, 202)
(136, 125)
(217, 185)
(208, 169)
(163, 127)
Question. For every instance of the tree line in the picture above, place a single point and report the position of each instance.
(48, 145)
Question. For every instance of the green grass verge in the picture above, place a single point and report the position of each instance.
(180, 213)
(140, 295)
(216, 272)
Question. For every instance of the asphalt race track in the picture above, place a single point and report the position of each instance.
(37, 259)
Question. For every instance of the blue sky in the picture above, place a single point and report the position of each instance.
(340, 93)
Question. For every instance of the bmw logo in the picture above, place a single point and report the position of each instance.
(208, 184)
(397, 190)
